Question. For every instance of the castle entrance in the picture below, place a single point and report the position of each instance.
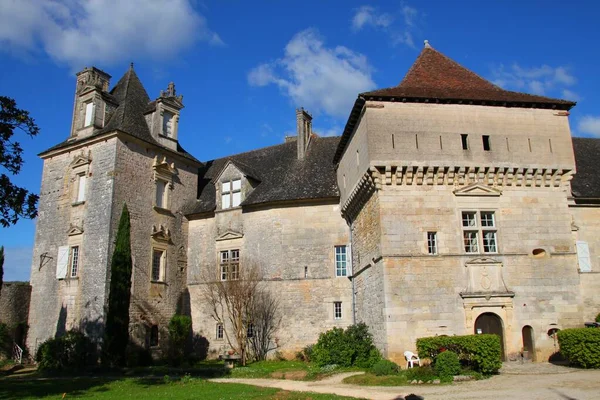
(490, 323)
(528, 343)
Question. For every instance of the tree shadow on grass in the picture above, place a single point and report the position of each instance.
(13, 388)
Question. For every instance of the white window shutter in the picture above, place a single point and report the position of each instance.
(349, 259)
(62, 262)
(583, 254)
(81, 188)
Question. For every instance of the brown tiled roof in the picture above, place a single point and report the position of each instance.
(436, 78)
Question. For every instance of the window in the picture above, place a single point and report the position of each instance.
(432, 243)
(486, 143)
(250, 331)
(478, 225)
(220, 332)
(89, 113)
(231, 193)
(161, 193)
(337, 310)
(168, 118)
(74, 261)
(341, 261)
(464, 138)
(230, 265)
(81, 183)
(158, 265)
(154, 335)
(583, 256)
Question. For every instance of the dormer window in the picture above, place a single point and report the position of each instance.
(89, 114)
(168, 125)
(231, 193)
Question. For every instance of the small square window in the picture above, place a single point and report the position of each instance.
(230, 265)
(487, 219)
(341, 261)
(486, 143)
(480, 236)
(220, 332)
(471, 240)
(89, 114)
(337, 310)
(464, 139)
(469, 218)
(250, 331)
(432, 243)
(231, 193)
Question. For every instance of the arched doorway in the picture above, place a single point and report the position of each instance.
(528, 343)
(492, 324)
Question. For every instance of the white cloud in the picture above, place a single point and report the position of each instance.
(17, 263)
(84, 32)
(543, 80)
(570, 95)
(589, 125)
(400, 28)
(367, 15)
(319, 78)
(326, 132)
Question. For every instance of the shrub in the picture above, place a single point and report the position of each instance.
(353, 347)
(69, 352)
(4, 340)
(581, 346)
(447, 364)
(598, 317)
(482, 352)
(385, 367)
(179, 330)
(424, 374)
(305, 354)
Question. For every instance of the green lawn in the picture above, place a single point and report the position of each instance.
(142, 388)
(285, 369)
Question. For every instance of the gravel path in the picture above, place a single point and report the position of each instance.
(532, 381)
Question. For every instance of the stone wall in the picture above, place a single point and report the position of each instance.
(586, 220)
(153, 302)
(61, 304)
(294, 248)
(14, 308)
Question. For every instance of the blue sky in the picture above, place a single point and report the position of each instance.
(243, 67)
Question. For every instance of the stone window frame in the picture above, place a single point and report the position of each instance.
(337, 310)
(219, 331)
(432, 243)
(164, 174)
(80, 168)
(341, 266)
(162, 264)
(174, 121)
(74, 261)
(229, 266)
(475, 229)
(230, 193)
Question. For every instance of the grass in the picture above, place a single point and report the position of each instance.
(286, 369)
(369, 379)
(143, 388)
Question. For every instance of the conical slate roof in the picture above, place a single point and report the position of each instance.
(436, 77)
(132, 102)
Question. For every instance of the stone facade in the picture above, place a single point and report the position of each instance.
(14, 309)
(454, 208)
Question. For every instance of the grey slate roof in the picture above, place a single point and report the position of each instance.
(282, 176)
(128, 117)
(586, 183)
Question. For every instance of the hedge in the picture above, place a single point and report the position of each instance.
(72, 351)
(581, 346)
(482, 352)
(352, 347)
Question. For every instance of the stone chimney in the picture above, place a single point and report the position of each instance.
(304, 130)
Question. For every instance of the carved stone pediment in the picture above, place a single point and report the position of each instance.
(477, 189)
(485, 279)
(228, 235)
(74, 230)
(161, 234)
(81, 159)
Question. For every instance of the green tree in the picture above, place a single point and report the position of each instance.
(15, 202)
(1, 267)
(180, 328)
(116, 333)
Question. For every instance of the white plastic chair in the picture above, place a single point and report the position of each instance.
(411, 358)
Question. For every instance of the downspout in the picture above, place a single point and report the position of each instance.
(352, 276)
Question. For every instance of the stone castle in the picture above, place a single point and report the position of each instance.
(448, 206)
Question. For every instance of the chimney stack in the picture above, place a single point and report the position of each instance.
(304, 130)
